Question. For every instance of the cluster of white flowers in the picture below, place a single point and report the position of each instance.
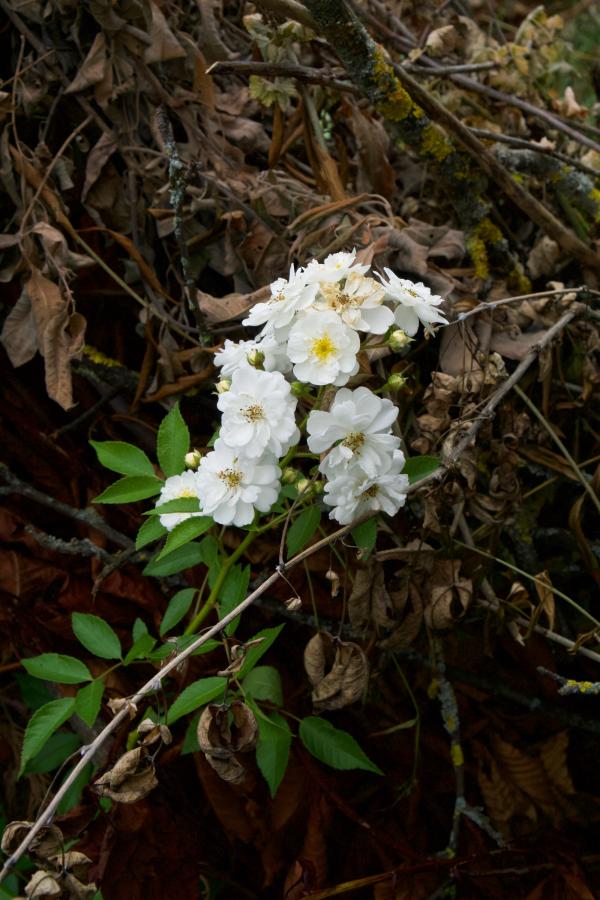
(310, 330)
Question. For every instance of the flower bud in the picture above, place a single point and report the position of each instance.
(223, 385)
(290, 475)
(256, 358)
(293, 604)
(299, 389)
(192, 459)
(398, 340)
(395, 382)
(302, 485)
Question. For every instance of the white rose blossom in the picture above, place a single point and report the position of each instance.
(258, 413)
(323, 348)
(334, 267)
(359, 423)
(358, 301)
(175, 488)
(414, 303)
(234, 355)
(288, 297)
(233, 487)
(354, 493)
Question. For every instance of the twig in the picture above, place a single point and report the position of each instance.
(450, 70)
(74, 547)
(522, 144)
(570, 686)
(494, 304)
(88, 516)
(287, 70)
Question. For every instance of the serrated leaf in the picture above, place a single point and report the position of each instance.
(44, 722)
(273, 748)
(150, 531)
(58, 668)
(96, 635)
(184, 533)
(118, 456)
(196, 694)
(88, 701)
(178, 505)
(365, 536)
(130, 489)
(418, 467)
(173, 442)
(183, 558)
(256, 651)
(264, 683)
(334, 747)
(55, 751)
(141, 649)
(179, 605)
(302, 529)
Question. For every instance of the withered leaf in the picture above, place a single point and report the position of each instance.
(369, 600)
(43, 884)
(72, 861)
(164, 44)
(338, 671)
(93, 69)
(48, 841)
(448, 595)
(131, 778)
(223, 731)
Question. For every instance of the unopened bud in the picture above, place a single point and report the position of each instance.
(302, 485)
(293, 604)
(318, 487)
(332, 576)
(290, 475)
(192, 459)
(398, 340)
(223, 385)
(299, 389)
(256, 358)
(395, 382)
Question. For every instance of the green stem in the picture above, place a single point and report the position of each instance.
(214, 594)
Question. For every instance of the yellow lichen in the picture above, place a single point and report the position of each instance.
(488, 232)
(594, 196)
(457, 756)
(98, 357)
(518, 281)
(479, 256)
(435, 144)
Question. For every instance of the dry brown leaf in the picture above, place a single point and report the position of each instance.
(543, 587)
(441, 41)
(231, 306)
(369, 599)
(48, 841)
(164, 44)
(43, 884)
(19, 336)
(543, 257)
(96, 160)
(223, 731)
(515, 346)
(447, 595)
(130, 779)
(337, 670)
(93, 69)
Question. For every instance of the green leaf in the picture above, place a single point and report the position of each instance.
(302, 529)
(178, 505)
(172, 443)
(184, 533)
(232, 593)
(56, 667)
(141, 649)
(418, 467)
(264, 683)
(73, 795)
(130, 489)
(333, 746)
(123, 458)
(139, 628)
(181, 643)
(365, 536)
(255, 652)
(56, 750)
(196, 694)
(88, 701)
(190, 740)
(150, 531)
(96, 635)
(34, 692)
(273, 748)
(179, 605)
(44, 722)
(183, 558)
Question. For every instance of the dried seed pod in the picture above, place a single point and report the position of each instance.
(224, 731)
(43, 884)
(151, 732)
(47, 842)
(76, 889)
(338, 671)
(118, 703)
(131, 778)
(72, 861)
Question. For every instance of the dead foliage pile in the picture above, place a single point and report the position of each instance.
(160, 165)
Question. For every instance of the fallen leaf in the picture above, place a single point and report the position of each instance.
(337, 670)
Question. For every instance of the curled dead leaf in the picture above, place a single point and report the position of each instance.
(72, 861)
(77, 890)
(118, 703)
(441, 41)
(47, 842)
(448, 595)
(223, 731)
(369, 599)
(338, 671)
(43, 884)
(130, 779)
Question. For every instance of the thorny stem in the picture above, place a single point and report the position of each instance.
(154, 684)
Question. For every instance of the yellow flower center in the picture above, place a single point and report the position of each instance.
(354, 441)
(231, 477)
(369, 493)
(253, 413)
(323, 348)
(186, 492)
